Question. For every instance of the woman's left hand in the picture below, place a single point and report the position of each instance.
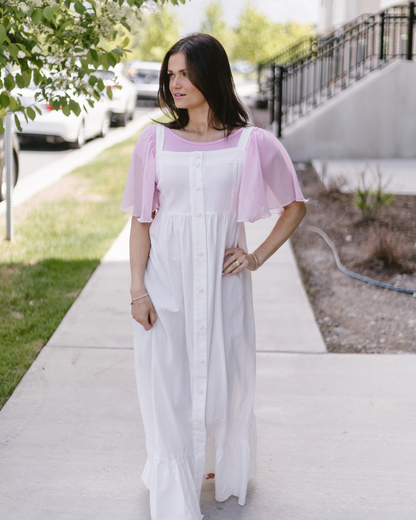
(237, 260)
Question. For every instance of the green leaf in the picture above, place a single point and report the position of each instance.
(66, 110)
(109, 91)
(17, 122)
(79, 8)
(92, 80)
(104, 61)
(37, 16)
(65, 25)
(13, 50)
(1, 126)
(100, 85)
(31, 113)
(9, 82)
(37, 77)
(55, 104)
(4, 100)
(111, 59)
(118, 51)
(2, 34)
(20, 81)
(126, 25)
(38, 110)
(27, 76)
(12, 104)
(93, 55)
(74, 107)
(48, 13)
(125, 42)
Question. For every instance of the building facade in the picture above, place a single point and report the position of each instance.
(334, 13)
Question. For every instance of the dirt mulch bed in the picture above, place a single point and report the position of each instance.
(357, 317)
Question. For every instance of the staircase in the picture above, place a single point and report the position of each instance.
(315, 69)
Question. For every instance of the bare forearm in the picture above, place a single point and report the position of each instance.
(139, 253)
(283, 229)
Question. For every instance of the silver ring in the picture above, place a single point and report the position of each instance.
(237, 263)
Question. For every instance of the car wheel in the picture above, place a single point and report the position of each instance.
(105, 125)
(123, 119)
(79, 143)
(3, 179)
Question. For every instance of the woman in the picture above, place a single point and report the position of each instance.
(200, 177)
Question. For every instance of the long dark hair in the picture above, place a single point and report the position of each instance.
(209, 71)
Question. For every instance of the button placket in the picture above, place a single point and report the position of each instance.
(200, 368)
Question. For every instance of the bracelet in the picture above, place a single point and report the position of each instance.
(256, 260)
(138, 298)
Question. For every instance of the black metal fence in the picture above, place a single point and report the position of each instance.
(308, 77)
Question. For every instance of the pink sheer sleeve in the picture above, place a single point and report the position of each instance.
(268, 179)
(141, 197)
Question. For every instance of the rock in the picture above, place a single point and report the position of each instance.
(341, 330)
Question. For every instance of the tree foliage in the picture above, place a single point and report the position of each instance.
(154, 34)
(57, 45)
(213, 23)
(256, 37)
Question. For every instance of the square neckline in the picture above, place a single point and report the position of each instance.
(205, 142)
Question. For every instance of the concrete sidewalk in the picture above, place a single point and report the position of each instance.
(401, 173)
(335, 432)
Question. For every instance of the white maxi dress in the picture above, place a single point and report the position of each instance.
(196, 367)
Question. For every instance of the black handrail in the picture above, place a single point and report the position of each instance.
(287, 54)
(332, 63)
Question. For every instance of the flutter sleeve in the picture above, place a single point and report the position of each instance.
(268, 178)
(141, 196)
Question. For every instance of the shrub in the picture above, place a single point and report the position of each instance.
(386, 252)
(370, 193)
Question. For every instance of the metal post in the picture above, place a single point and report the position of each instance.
(279, 102)
(8, 156)
(410, 31)
(272, 93)
(381, 55)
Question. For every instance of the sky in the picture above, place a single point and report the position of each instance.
(302, 11)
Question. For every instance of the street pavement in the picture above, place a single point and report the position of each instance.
(336, 432)
(54, 170)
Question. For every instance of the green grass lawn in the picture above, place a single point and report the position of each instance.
(57, 246)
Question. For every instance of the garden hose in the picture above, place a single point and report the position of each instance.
(350, 273)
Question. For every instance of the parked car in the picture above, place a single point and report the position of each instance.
(145, 75)
(16, 150)
(121, 106)
(58, 128)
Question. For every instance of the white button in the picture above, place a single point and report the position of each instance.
(198, 420)
(200, 289)
(198, 164)
(196, 188)
(198, 214)
(198, 155)
(199, 253)
(200, 391)
(200, 327)
(200, 360)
